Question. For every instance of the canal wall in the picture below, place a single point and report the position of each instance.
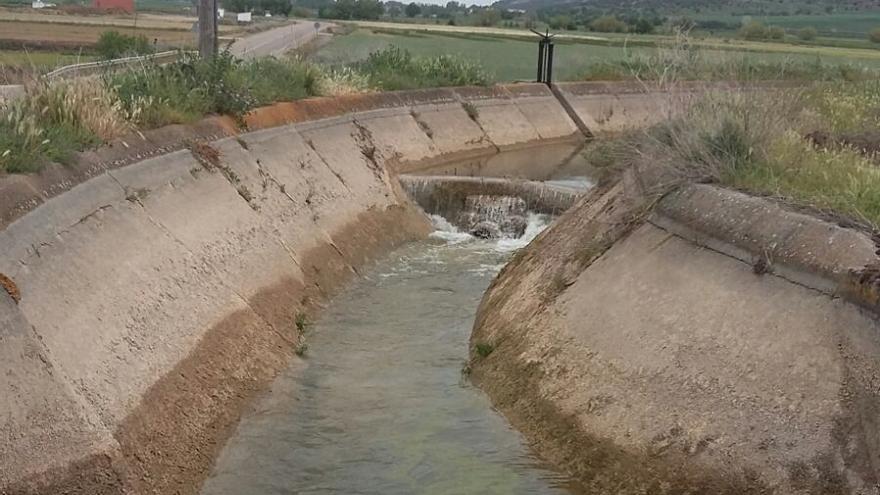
(708, 342)
(155, 285)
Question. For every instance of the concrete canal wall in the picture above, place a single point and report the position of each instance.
(154, 286)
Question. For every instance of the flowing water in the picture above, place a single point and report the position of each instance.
(380, 405)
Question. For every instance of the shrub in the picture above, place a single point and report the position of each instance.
(53, 121)
(394, 68)
(756, 141)
(775, 33)
(753, 30)
(808, 34)
(113, 44)
(608, 24)
(874, 36)
(190, 88)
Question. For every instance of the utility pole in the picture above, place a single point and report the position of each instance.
(207, 28)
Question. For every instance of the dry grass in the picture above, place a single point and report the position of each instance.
(757, 141)
(52, 121)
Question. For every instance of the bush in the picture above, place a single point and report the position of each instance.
(875, 36)
(775, 33)
(808, 34)
(753, 30)
(394, 68)
(757, 141)
(190, 88)
(113, 44)
(52, 121)
(608, 24)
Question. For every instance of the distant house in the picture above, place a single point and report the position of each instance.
(40, 4)
(123, 5)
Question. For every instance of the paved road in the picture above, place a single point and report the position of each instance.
(277, 41)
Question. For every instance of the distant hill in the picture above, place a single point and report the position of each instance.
(744, 7)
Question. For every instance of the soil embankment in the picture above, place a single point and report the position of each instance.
(717, 343)
(159, 282)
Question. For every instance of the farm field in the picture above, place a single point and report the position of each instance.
(75, 35)
(511, 59)
(40, 59)
(843, 25)
(71, 31)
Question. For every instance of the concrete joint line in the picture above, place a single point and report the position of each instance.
(311, 146)
(572, 114)
(461, 101)
(703, 245)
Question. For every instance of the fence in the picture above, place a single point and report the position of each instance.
(89, 68)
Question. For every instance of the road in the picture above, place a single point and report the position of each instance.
(277, 41)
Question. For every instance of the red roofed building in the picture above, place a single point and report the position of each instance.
(123, 5)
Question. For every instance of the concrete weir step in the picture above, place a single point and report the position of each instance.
(446, 195)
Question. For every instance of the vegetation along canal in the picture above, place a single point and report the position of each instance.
(380, 404)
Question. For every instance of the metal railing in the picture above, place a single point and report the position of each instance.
(90, 68)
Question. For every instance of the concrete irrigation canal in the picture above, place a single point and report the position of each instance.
(426, 292)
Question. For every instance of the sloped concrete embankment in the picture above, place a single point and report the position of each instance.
(721, 344)
(148, 300)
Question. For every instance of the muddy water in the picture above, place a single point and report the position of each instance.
(380, 404)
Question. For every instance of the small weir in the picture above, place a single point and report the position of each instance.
(381, 403)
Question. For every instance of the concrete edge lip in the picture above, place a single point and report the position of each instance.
(804, 249)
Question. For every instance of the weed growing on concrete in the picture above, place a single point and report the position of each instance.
(471, 110)
(302, 322)
(301, 349)
(484, 349)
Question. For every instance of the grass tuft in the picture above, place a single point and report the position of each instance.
(484, 350)
(302, 322)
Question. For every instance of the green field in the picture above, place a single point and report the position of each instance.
(40, 59)
(511, 60)
(843, 25)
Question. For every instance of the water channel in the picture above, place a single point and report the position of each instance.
(380, 405)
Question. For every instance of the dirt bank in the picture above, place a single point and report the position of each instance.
(702, 348)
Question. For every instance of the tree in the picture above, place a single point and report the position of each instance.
(643, 26)
(608, 24)
(808, 34)
(875, 36)
(412, 10)
(368, 9)
(489, 17)
(753, 30)
(775, 33)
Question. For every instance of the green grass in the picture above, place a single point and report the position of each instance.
(509, 59)
(765, 144)
(393, 68)
(484, 350)
(843, 24)
(41, 59)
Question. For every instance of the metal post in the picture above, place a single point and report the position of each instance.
(540, 61)
(545, 57)
(207, 28)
